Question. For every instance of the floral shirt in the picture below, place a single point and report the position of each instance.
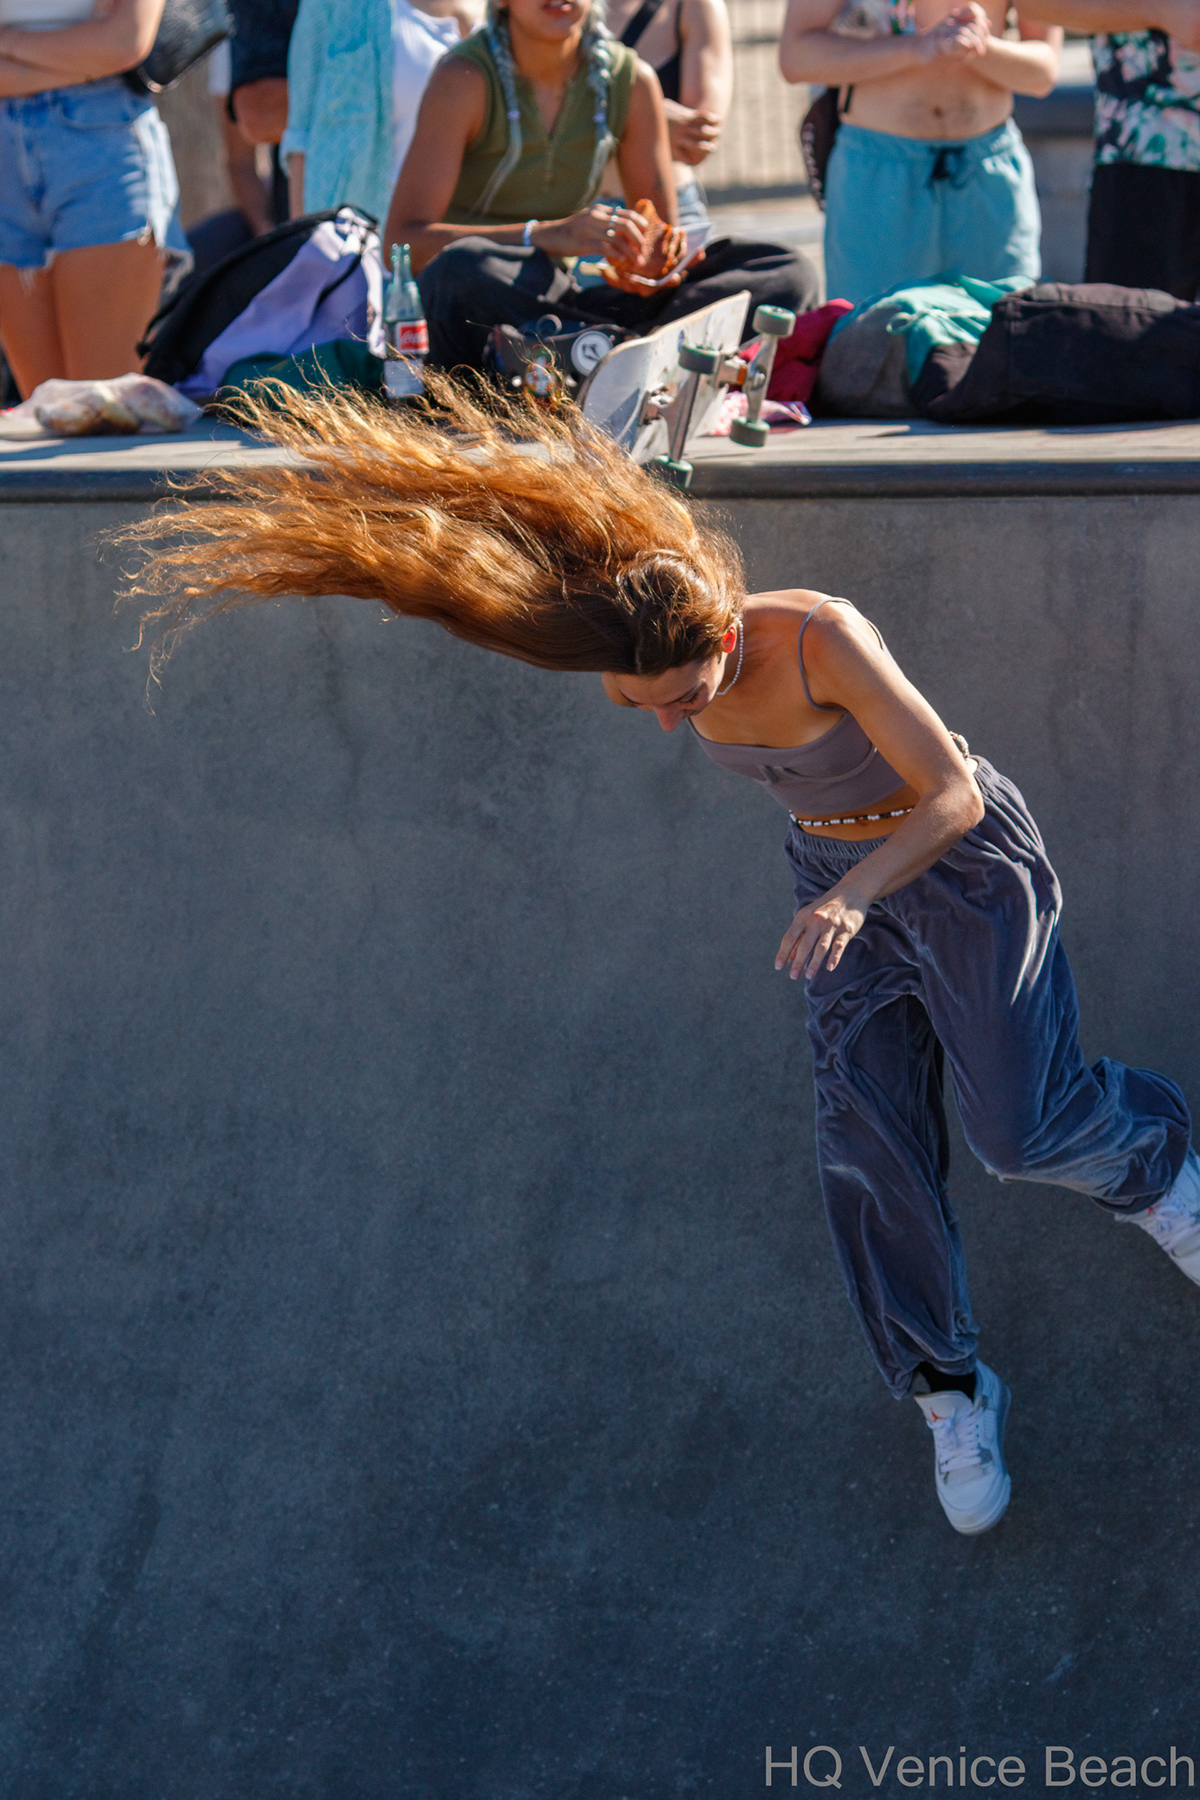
(1147, 100)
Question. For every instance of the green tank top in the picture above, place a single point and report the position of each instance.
(551, 179)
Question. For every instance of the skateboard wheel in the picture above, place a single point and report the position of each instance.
(750, 432)
(697, 361)
(679, 474)
(774, 321)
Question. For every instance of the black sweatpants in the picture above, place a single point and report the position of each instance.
(1144, 228)
(475, 284)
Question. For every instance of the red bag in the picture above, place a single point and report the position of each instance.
(798, 358)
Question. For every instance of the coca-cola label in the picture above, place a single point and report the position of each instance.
(412, 337)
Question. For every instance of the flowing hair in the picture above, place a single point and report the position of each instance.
(524, 532)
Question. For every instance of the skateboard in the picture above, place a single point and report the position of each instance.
(656, 393)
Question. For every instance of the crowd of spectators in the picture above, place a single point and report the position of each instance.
(504, 141)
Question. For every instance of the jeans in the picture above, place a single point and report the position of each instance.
(964, 967)
(85, 165)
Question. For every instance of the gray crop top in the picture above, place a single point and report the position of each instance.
(840, 772)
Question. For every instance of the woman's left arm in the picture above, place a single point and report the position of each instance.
(846, 666)
(705, 81)
(107, 45)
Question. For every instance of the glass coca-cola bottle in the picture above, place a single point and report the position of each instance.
(406, 330)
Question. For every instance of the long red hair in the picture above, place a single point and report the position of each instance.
(524, 532)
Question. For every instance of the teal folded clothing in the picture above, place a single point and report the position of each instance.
(342, 363)
(951, 309)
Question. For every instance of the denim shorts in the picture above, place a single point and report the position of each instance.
(85, 165)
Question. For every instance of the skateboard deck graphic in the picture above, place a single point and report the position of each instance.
(633, 393)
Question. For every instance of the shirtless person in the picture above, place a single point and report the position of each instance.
(928, 174)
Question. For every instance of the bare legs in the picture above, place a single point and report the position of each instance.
(81, 317)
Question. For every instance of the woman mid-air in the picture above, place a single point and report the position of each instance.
(927, 922)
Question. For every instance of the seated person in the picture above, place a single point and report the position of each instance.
(928, 173)
(689, 46)
(356, 72)
(513, 137)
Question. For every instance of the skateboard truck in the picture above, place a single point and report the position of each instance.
(770, 323)
(696, 363)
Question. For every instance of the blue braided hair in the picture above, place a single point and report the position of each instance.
(596, 46)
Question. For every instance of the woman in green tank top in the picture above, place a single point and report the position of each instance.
(515, 130)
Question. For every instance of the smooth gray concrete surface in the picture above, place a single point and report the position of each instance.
(852, 459)
(424, 1370)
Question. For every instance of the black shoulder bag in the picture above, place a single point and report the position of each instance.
(818, 128)
(188, 30)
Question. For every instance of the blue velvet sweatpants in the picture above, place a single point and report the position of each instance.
(963, 967)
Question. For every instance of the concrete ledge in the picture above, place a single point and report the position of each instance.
(867, 459)
(835, 459)
(96, 471)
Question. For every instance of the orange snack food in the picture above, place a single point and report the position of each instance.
(661, 253)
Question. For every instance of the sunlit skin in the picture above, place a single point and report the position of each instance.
(848, 668)
(699, 30)
(954, 76)
(82, 316)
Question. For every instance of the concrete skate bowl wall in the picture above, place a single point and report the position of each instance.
(425, 1369)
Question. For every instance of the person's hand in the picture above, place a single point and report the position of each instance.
(658, 264)
(694, 134)
(599, 231)
(963, 33)
(1180, 19)
(818, 935)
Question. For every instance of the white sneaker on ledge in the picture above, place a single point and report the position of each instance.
(1174, 1221)
(973, 1484)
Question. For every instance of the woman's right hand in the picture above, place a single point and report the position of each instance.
(819, 933)
(598, 231)
(694, 134)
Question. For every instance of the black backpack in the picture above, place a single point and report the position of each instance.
(1084, 353)
(205, 304)
(818, 128)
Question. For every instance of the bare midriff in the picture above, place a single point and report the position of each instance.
(855, 834)
(944, 98)
(870, 828)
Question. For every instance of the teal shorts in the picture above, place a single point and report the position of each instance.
(901, 209)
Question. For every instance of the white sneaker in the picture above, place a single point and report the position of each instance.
(1174, 1221)
(973, 1484)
